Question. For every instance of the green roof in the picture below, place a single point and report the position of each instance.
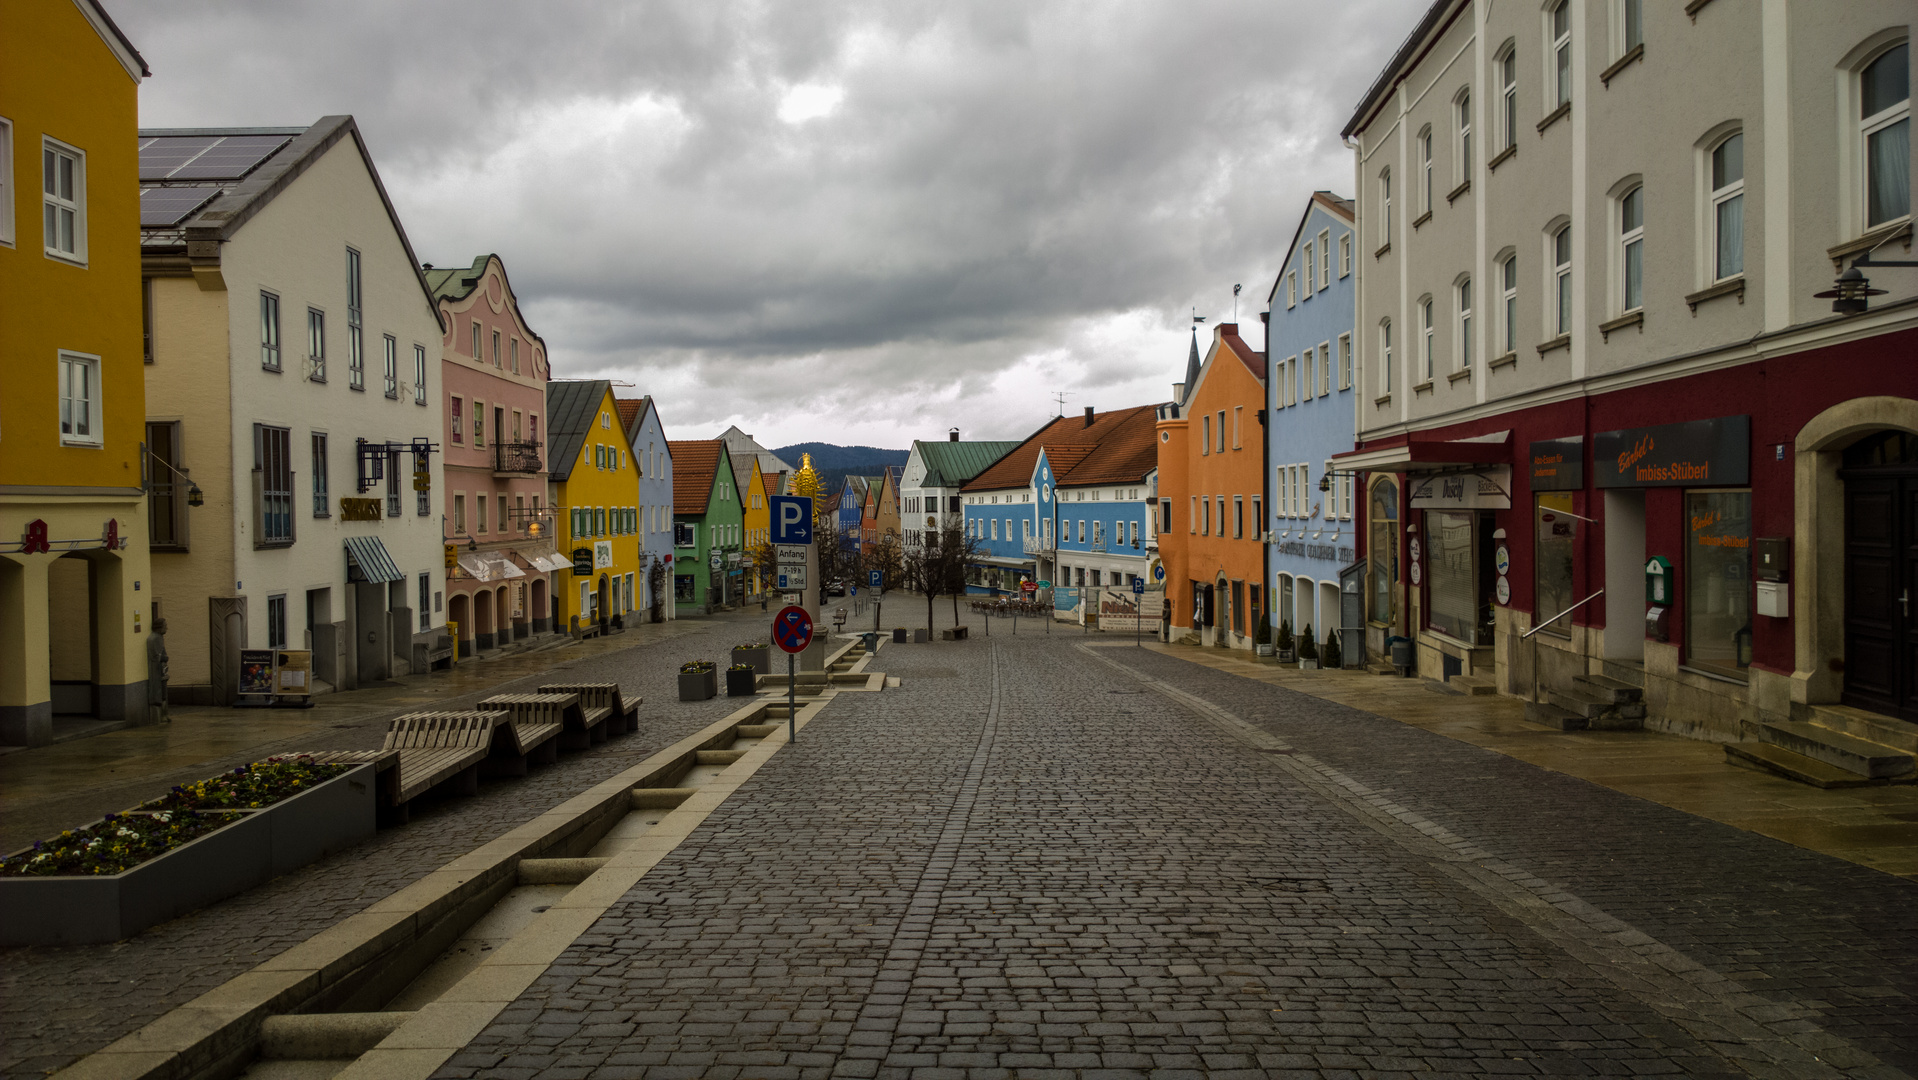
(949, 464)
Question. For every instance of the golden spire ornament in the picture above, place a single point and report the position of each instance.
(806, 480)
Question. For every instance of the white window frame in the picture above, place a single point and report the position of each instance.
(1462, 322)
(1345, 254)
(1325, 368)
(1462, 135)
(1425, 170)
(419, 374)
(1506, 69)
(6, 182)
(57, 203)
(1563, 298)
(1628, 238)
(391, 360)
(1427, 342)
(1325, 258)
(1558, 56)
(1385, 356)
(1628, 26)
(95, 436)
(1385, 204)
(272, 354)
(1345, 361)
(1865, 127)
(1508, 297)
(1306, 259)
(1291, 288)
(316, 344)
(1717, 197)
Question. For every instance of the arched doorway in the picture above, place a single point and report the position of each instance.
(538, 609)
(483, 619)
(1382, 562)
(602, 601)
(1880, 473)
(1222, 620)
(459, 613)
(73, 660)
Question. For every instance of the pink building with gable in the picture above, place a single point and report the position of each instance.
(498, 531)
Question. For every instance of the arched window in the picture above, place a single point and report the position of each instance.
(1508, 294)
(1425, 339)
(1385, 356)
(1884, 130)
(1561, 248)
(1631, 250)
(1425, 172)
(1462, 140)
(1559, 29)
(1507, 67)
(1728, 207)
(1462, 351)
(1385, 205)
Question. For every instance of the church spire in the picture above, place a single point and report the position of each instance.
(1192, 365)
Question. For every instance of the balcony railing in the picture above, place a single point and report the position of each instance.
(1035, 545)
(516, 457)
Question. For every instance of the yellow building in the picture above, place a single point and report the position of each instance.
(593, 486)
(758, 524)
(74, 615)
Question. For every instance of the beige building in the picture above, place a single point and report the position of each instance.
(293, 351)
(1598, 387)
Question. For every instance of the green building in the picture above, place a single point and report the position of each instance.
(708, 528)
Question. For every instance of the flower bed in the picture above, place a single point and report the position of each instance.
(197, 844)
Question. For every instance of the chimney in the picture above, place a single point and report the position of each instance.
(1178, 392)
(952, 435)
(1088, 416)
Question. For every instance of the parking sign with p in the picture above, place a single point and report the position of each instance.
(791, 519)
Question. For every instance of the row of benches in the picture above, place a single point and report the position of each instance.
(500, 737)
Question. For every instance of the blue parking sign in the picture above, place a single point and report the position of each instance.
(873, 578)
(791, 519)
(1138, 586)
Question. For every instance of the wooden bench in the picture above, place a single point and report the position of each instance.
(605, 711)
(538, 722)
(436, 747)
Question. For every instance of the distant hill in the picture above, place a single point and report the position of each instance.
(834, 463)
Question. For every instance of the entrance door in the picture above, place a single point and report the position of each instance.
(1881, 574)
(1624, 575)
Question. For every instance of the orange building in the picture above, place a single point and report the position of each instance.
(1211, 499)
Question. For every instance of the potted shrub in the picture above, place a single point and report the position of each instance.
(1308, 650)
(741, 680)
(1330, 657)
(1285, 641)
(1262, 639)
(755, 654)
(698, 680)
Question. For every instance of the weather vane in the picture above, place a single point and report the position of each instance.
(1196, 317)
(1235, 302)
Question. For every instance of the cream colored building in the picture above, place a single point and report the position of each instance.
(294, 346)
(1591, 239)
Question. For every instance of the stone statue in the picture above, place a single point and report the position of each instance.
(158, 672)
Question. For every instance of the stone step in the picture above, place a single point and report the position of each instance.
(1380, 667)
(1625, 671)
(1539, 712)
(1764, 757)
(1619, 718)
(1606, 688)
(1836, 748)
(1870, 726)
(1475, 685)
(1575, 702)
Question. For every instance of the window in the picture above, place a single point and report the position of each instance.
(1555, 533)
(393, 485)
(419, 374)
(392, 367)
(1345, 361)
(1452, 574)
(422, 483)
(1238, 517)
(1382, 565)
(80, 400)
(1561, 31)
(269, 331)
(1631, 253)
(276, 621)
(1205, 434)
(1562, 276)
(1718, 581)
(1425, 171)
(1464, 345)
(1238, 423)
(1508, 98)
(516, 356)
(1192, 515)
(496, 348)
(1205, 517)
(166, 498)
(1728, 208)
(63, 185)
(1325, 368)
(1508, 293)
(1425, 339)
(355, 333)
(322, 505)
(1884, 91)
(272, 485)
(1305, 263)
(475, 350)
(316, 344)
(479, 423)
(1291, 288)
(1345, 254)
(1462, 112)
(1385, 356)
(1385, 207)
(1325, 257)
(426, 599)
(1630, 27)
(1221, 431)
(459, 421)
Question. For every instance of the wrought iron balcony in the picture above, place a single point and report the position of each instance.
(1035, 545)
(516, 457)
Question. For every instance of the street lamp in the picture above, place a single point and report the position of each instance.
(1851, 293)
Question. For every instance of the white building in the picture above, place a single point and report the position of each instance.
(291, 338)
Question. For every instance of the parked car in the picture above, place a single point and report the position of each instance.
(836, 587)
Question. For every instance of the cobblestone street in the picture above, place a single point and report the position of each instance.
(1062, 856)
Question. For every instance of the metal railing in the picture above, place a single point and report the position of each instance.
(1036, 544)
(516, 457)
(1527, 636)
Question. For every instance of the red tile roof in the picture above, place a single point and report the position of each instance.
(695, 462)
(628, 410)
(1124, 456)
(1066, 432)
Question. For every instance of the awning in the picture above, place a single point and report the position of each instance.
(367, 555)
(544, 559)
(1419, 454)
(489, 566)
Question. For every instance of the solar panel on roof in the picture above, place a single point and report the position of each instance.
(163, 154)
(161, 207)
(232, 158)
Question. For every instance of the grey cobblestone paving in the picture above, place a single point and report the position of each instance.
(1018, 864)
(57, 1004)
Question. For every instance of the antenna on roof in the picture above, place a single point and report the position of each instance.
(1235, 302)
(1060, 396)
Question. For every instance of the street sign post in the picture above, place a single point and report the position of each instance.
(791, 519)
(1138, 602)
(791, 534)
(792, 632)
(875, 578)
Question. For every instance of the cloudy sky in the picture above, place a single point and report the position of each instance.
(844, 221)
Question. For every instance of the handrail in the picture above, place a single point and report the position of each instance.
(1526, 636)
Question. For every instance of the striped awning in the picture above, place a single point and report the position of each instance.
(367, 555)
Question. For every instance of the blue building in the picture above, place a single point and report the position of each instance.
(653, 459)
(1310, 400)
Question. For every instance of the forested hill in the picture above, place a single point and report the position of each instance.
(834, 462)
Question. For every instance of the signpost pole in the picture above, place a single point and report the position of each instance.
(792, 698)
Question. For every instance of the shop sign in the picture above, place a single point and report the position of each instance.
(1698, 453)
(1557, 464)
(582, 562)
(361, 509)
(1489, 488)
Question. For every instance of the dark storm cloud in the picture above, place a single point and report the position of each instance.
(987, 202)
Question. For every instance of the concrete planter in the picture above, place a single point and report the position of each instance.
(1264, 650)
(760, 658)
(1309, 665)
(919, 637)
(698, 685)
(1286, 656)
(258, 846)
(740, 683)
(899, 635)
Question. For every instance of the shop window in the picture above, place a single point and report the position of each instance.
(1452, 574)
(1554, 534)
(1717, 616)
(1382, 568)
